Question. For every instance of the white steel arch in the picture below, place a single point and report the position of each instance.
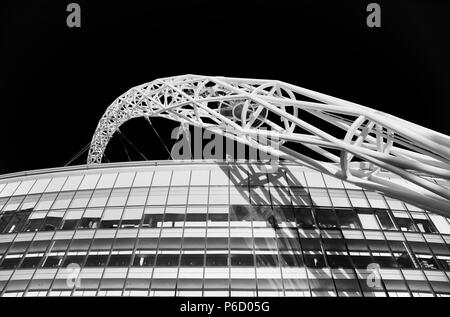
(238, 108)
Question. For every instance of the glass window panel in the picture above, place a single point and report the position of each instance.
(319, 197)
(314, 179)
(39, 186)
(304, 217)
(167, 260)
(441, 223)
(81, 199)
(200, 177)
(99, 198)
(198, 195)
(218, 195)
(143, 179)
(425, 226)
(52, 223)
(89, 181)
(118, 197)
(161, 178)
(102, 245)
(9, 189)
(384, 220)
(314, 259)
(242, 260)
(192, 260)
(72, 182)
(122, 260)
(239, 195)
(326, 218)
(33, 225)
(45, 202)
(339, 198)
(180, 178)
(106, 180)
(219, 177)
(295, 177)
(170, 243)
(358, 198)
(404, 222)
(138, 196)
(24, 187)
(124, 180)
(13, 203)
(30, 201)
(157, 196)
(96, 260)
(144, 260)
(368, 221)
(56, 184)
(260, 195)
(216, 259)
(63, 200)
(74, 214)
(395, 204)
(112, 214)
(177, 196)
(89, 223)
(348, 219)
(300, 197)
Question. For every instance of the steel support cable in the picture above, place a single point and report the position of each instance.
(83, 149)
(134, 147)
(124, 147)
(157, 134)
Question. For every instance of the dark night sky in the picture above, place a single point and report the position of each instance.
(56, 82)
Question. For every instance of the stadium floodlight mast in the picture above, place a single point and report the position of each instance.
(251, 110)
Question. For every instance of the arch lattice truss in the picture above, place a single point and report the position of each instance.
(251, 110)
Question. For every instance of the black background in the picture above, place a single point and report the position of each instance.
(56, 82)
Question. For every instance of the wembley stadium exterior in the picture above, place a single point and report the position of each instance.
(376, 226)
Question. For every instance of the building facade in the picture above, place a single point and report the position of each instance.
(203, 228)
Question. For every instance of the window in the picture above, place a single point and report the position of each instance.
(31, 261)
(142, 259)
(52, 223)
(120, 259)
(403, 221)
(132, 217)
(124, 180)
(385, 220)
(63, 200)
(347, 219)
(13, 221)
(96, 259)
(216, 259)
(81, 199)
(242, 260)
(304, 217)
(72, 182)
(45, 202)
(106, 180)
(193, 260)
(326, 218)
(367, 219)
(89, 181)
(99, 198)
(138, 196)
(266, 260)
(167, 260)
(118, 197)
(56, 184)
(111, 218)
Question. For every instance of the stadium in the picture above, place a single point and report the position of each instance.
(351, 202)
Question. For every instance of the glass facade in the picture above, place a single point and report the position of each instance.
(209, 229)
